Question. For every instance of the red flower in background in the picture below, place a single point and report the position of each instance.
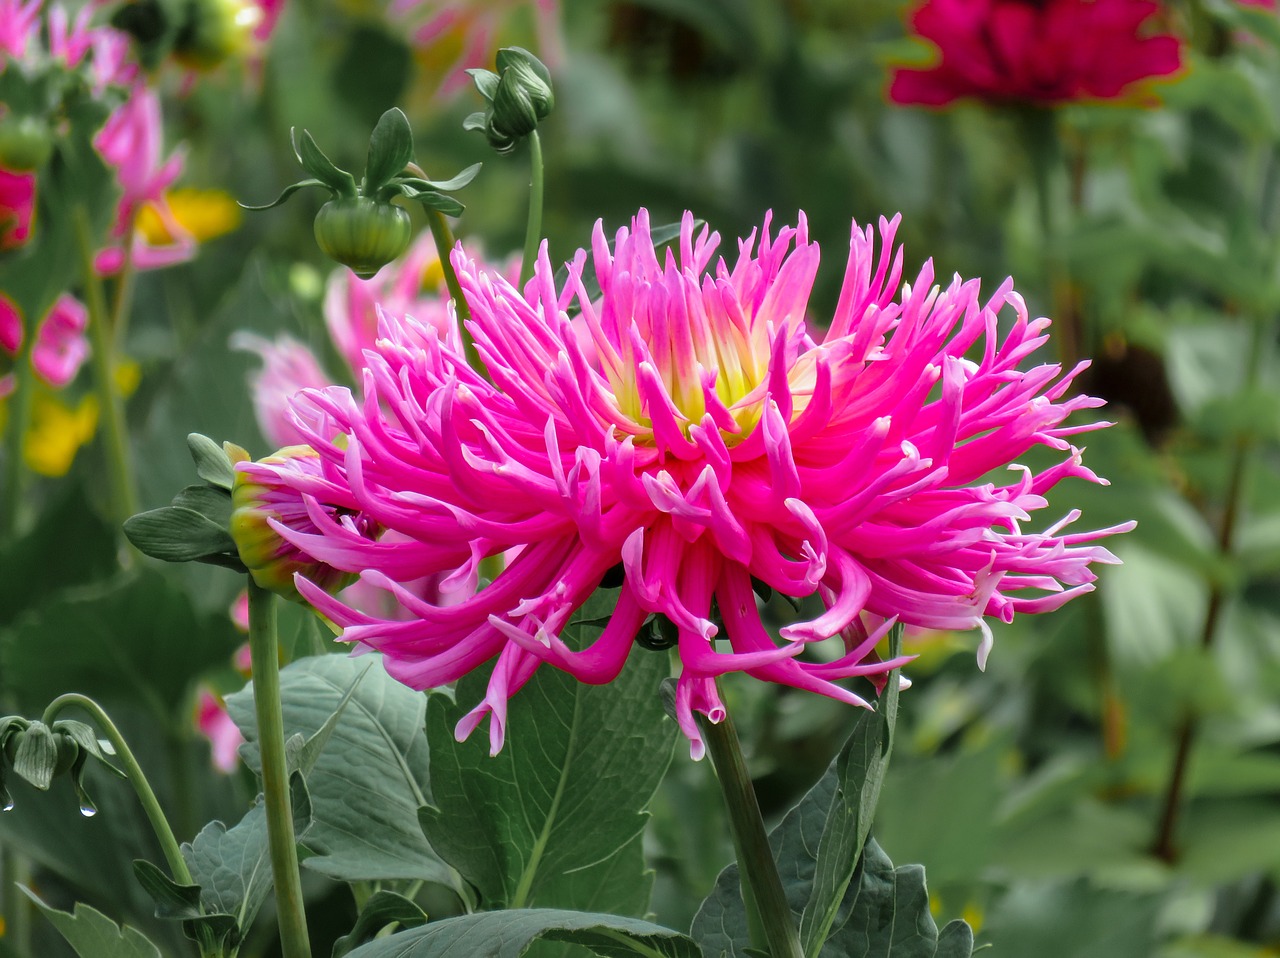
(1037, 51)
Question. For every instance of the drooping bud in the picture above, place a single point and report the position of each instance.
(519, 95)
(39, 753)
(261, 504)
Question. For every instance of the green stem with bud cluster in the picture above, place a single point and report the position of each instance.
(533, 228)
(773, 929)
(124, 498)
(283, 845)
(133, 772)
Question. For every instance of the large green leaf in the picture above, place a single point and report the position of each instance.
(555, 818)
(94, 935)
(68, 546)
(508, 934)
(371, 777)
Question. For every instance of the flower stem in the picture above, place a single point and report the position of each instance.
(15, 436)
(133, 771)
(768, 915)
(15, 870)
(443, 237)
(533, 229)
(264, 650)
(1164, 846)
(124, 498)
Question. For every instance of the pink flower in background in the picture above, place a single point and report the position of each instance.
(61, 345)
(287, 366)
(215, 724)
(19, 22)
(132, 142)
(704, 441)
(464, 33)
(1037, 51)
(17, 207)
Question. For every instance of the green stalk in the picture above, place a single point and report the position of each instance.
(133, 772)
(17, 908)
(443, 237)
(264, 650)
(533, 229)
(124, 498)
(773, 930)
(15, 435)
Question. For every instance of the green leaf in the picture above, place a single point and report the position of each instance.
(508, 934)
(212, 503)
(173, 901)
(94, 935)
(860, 769)
(486, 82)
(955, 940)
(70, 538)
(178, 534)
(449, 185)
(287, 192)
(36, 756)
(556, 818)
(368, 782)
(384, 908)
(432, 200)
(321, 167)
(390, 150)
(232, 866)
(213, 465)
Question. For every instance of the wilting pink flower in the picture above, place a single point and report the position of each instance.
(1038, 51)
(710, 443)
(132, 142)
(216, 725)
(472, 27)
(17, 207)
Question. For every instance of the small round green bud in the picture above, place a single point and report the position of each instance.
(26, 143)
(362, 233)
(522, 99)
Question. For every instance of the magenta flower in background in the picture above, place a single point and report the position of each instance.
(287, 367)
(464, 32)
(19, 23)
(61, 345)
(1036, 51)
(17, 207)
(132, 142)
(696, 436)
(216, 725)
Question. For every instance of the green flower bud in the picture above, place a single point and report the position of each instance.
(26, 143)
(262, 496)
(362, 233)
(519, 95)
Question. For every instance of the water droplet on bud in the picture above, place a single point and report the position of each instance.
(8, 806)
(88, 811)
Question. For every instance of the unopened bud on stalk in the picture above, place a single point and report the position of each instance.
(519, 95)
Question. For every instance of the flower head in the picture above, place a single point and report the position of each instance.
(1037, 51)
(687, 428)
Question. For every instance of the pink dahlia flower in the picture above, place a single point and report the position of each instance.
(466, 32)
(696, 436)
(19, 24)
(287, 367)
(61, 346)
(1038, 51)
(132, 143)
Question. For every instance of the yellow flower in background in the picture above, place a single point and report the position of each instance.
(57, 432)
(205, 214)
